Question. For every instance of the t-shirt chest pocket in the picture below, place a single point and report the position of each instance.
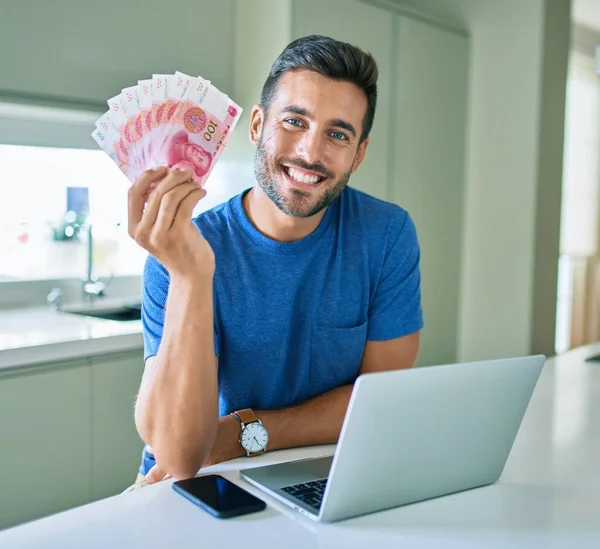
(336, 354)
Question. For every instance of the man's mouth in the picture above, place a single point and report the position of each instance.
(302, 176)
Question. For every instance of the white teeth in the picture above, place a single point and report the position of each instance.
(301, 177)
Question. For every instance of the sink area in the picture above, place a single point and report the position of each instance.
(32, 335)
(120, 312)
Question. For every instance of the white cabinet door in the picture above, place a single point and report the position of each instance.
(428, 175)
(369, 28)
(44, 441)
(89, 51)
(116, 445)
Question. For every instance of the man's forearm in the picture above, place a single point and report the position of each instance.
(314, 422)
(177, 409)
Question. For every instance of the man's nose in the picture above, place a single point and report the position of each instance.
(311, 147)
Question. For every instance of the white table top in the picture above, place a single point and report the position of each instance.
(548, 496)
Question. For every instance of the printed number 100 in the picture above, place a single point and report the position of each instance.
(210, 130)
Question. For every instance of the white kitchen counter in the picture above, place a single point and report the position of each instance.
(547, 498)
(40, 335)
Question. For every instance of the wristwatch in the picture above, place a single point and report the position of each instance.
(253, 435)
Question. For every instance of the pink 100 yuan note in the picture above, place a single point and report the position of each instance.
(166, 104)
(121, 143)
(158, 99)
(137, 105)
(131, 108)
(199, 132)
(102, 136)
(108, 138)
(172, 119)
(143, 122)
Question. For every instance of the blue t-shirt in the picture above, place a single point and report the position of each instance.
(291, 319)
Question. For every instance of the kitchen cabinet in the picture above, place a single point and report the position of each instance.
(116, 445)
(417, 152)
(67, 434)
(45, 451)
(428, 176)
(87, 52)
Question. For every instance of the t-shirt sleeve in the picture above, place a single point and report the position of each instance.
(395, 309)
(155, 287)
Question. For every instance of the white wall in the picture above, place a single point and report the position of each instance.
(514, 162)
(257, 45)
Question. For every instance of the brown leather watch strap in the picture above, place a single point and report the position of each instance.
(246, 416)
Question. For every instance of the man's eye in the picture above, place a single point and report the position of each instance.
(338, 135)
(293, 122)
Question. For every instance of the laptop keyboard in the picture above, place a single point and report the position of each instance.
(310, 493)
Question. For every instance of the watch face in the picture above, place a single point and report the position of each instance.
(254, 437)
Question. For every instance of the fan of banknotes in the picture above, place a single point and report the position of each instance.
(173, 120)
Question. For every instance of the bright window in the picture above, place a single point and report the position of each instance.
(50, 166)
(579, 242)
(579, 215)
(38, 237)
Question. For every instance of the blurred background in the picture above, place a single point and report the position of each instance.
(487, 130)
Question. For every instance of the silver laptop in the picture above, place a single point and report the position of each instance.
(411, 435)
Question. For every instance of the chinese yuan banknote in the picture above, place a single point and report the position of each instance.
(167, 120)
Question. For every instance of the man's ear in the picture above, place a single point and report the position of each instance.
(256, 123)
(360, 154)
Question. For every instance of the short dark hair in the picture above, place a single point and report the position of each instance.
(332, 59)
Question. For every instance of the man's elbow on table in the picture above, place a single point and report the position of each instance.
(181, 456)
(181, 463)
(178, 452)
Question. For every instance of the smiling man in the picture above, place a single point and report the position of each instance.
(259, 314)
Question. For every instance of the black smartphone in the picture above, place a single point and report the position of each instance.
(218, 496)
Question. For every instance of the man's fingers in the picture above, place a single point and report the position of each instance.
(172, 180)
(138, 193)
(170, 204)
(187, 205)
(156, 475)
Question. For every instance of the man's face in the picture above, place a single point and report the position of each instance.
(308, 141)
(197, 156)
